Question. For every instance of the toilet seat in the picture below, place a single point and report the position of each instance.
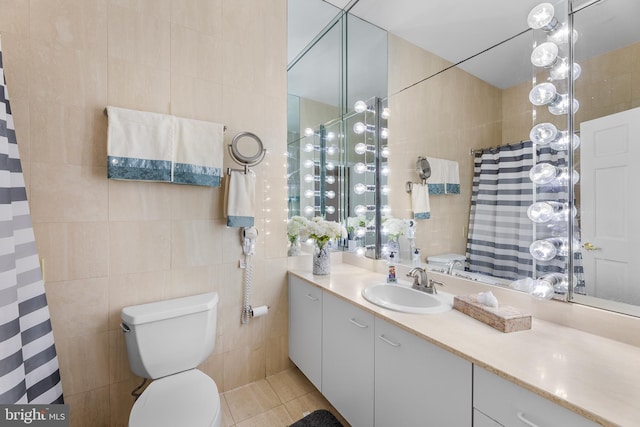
(188, 398)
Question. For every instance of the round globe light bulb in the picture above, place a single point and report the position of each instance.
(330, 210)
(386, 113)
(360, 148)
(540, 212)
(545, 55)
(359, 128)
(330, 194)
(331, 150)
(331, 179)
(563, 142)
(385, 170)
(384, 133)
(560, 70)
(330, 166)
(561, 35)
(309, 194)
(360, 168)
(561, 107)
(542, 17)
(385, 190)
(360, 210)
(543, 250)
(308, 178)
(309, 147)
(541, 289)
(361, 232)
(543, 173)
(384, 152)
(308, 132)
(359, 188)
(543, 94)
(309, 210)
(543, 133)
(386, 210)
(308, 164)
(360, 106)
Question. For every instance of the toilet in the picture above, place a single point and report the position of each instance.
(166, 341)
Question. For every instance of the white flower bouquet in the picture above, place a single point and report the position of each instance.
(322, 231)
(395, 227)
(295, 226)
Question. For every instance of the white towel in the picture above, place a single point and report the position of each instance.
(420, 201)
(445, 176)
(139, 145)
(198, 152)
(240, 199)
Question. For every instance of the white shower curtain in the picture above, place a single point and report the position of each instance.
(28, 362)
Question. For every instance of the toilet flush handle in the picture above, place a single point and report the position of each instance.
(125, 328)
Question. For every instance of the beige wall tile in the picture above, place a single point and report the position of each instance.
(15, 17)
(204, 16)
(196, 54)
(84, 362)
(196, 98)
(196, 243)
(243, 366)
(139, 201)
(139, 246)
(121, 401)
(190, 202)
(90, 408)
(138, 87)
(119, 368)
(133, 289)
(160, 9)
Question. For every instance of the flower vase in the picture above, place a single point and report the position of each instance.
(321, 261)
(294, 247)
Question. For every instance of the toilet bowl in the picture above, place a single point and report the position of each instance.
(166, 341)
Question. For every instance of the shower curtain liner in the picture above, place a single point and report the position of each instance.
(499, 230)
(28, 363)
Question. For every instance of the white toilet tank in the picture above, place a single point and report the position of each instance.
(171, 336)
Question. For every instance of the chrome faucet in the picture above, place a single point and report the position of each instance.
(451, 265)
(420, 281)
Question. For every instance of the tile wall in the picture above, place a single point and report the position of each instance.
(108, 244)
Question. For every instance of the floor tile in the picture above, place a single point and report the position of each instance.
(310, 402)
(276, 417)
(250, 400)
(290, 384)
(227, 419)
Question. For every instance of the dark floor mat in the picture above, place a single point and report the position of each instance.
(319, 418)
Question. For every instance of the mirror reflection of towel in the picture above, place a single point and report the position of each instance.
(420, 201)
(445, 176)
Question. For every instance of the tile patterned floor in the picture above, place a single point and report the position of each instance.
(277, 401)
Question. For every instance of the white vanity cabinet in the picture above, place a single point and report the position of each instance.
(510, 405)
(305, 328)
(347, 360)
(418, 383)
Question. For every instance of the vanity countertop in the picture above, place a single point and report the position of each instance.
(594, 376)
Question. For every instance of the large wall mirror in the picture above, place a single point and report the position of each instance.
(459, 77)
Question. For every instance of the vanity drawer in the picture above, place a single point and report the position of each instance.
(513, 406)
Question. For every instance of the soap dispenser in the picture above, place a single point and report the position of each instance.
(415, 258)
(391, 265)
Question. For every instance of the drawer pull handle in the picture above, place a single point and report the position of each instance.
(522, 418)
(388, 341)
(311, 297)
(359, 325)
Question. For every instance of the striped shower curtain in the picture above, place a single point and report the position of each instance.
(28, 362)
(500, 232)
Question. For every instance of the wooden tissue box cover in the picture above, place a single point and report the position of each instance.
(503, 318)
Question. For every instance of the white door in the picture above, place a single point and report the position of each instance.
(610, 204)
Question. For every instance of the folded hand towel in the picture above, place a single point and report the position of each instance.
(445, 176)
(139, 145)
(240, 198)
(198, 152)
(452, 178)
(420, 201)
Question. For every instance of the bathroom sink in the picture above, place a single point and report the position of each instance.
(405, 299)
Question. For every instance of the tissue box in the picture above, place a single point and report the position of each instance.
(503, 318)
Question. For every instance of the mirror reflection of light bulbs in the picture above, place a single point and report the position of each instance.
(561, 35)
(543, 250)
(330, 194)
(543, 133)
(561, 106)
(330, 210)
(386, 210)
(543, 94)
(360, 107)
(384, 133)
(386, 113)
(361, 251)
(309, 210)
(541, 289)
(562, 143)
(308, 132)
(541, 212)
(385, 170)
(308, 178)
(359, 168)
(331, 150)
(330, 136)
(309, 194)
(331, 179)
(361, 232)
(359, 188)
(360, 210)
(308, 164)
(384, 152)
(359, 128)
(330, 166)
(560, 71)
(563, 176)
(545, 55)
(543, 173)
(385, 190)
(542, 17)
(360, 148)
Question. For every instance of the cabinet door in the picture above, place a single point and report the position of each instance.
(347, 360)
(305, 328)
(512, 405)
(418, 383)
(481, 420)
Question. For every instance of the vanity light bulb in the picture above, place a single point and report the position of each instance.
(308, 132)
(386, 210)
(386, 113)
(385, 170)
(309, 194)
(309, 210)
(331, 179)
(385, 190)
(359, 128)
(563, 142)
(561, 35)
(308, 178)
(541, 289)
(360, 148)
(330, 210)
(561, 107)
(359, 188)
(331, 150)
(543, 173)
(309, 147)
(360, 210)
(545, 55)
(563, 177)
(384, 133)
(542, 17)
(543, 94)
(543, 133)
(330, 194)
(359, 168)
(541, 212)
(360, 107)
(560, 71)
(330, 166)
(308, 164)
(384, 152)
(543, 250)
(361, 232)
(330, 136)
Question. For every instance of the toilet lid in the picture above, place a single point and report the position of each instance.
(189, 398)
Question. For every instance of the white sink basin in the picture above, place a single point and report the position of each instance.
(405, 299)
